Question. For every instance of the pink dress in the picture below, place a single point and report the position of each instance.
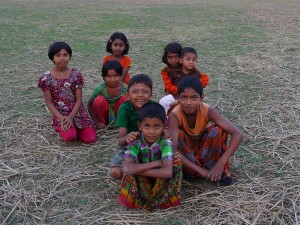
(64, 97)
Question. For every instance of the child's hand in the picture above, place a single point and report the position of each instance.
(165, 133)
(66, 123)
(100, 125)
(215, 173)
(132, 136)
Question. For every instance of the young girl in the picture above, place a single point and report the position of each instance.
(173, 59)
(104, 103)
(118, 46)
(152, 171)
(202, 146)
(62, 89)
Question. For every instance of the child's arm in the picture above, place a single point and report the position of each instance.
(169, 86)
(174, 133)
(236, 138)
(131, 167)
(165, 171)
(124, 138)
(50, 105)
(203, 78)
(68, 120)
(124, 72)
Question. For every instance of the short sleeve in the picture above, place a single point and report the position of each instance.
(45, 81)
(122, 119)
(79, 80)
(132, 150)
(167, 150)
(126, 61)
(105, 59)
(96, 92)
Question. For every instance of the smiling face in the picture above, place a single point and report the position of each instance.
(188, 61)
(152, 129)
(139, 94)
(61, 58)
(118, 47)
(189, 101)
(112, 79)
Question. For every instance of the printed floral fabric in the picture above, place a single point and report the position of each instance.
(63, 93)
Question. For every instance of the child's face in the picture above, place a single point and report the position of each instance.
(139, 94)
(62, 58)
(118, 47)
(152, 129)
(188, 61)
(189, 101)
(112, 79)
(173, 59)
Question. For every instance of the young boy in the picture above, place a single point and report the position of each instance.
(152, 172)
(139, 92)
(203, 148)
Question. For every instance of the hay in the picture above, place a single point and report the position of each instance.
(46, 181)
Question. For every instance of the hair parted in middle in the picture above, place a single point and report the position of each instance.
(114, 36)
(112, 65)
(173, 47)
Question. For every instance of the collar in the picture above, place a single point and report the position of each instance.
(144, 144)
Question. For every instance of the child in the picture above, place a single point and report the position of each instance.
(180, 62)
(62, 89)
(152, 172)
(203, 148)
(118, 46)
(139, 92)
(104, 103)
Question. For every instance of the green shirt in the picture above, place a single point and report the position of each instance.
(101, 90)
(128, 117)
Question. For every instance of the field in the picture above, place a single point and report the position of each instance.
(249, 48)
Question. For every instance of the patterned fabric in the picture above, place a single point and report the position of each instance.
(204, 150)
(101, 90)
(125, 62)
(161, 149)
(150, 193)
(64, 97)
(171, 87)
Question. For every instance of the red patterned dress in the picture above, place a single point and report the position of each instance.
(64, 97)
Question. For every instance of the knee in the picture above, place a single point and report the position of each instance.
(116, 173)
(69, 135)
(99, 102)
(88, 135)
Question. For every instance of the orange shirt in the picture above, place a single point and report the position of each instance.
(171, 88)
(125, 62)
(201, 120)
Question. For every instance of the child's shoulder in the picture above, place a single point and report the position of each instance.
(166, 69)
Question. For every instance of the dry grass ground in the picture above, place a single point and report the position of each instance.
(250, 49)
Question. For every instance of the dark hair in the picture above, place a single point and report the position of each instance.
(152, 110)
(56, 47)
(114, 36)
(190, 82)
(173, 47)
(140, 78)
(186, 50)
(112, 65)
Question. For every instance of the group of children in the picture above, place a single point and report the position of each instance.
(159, 143)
